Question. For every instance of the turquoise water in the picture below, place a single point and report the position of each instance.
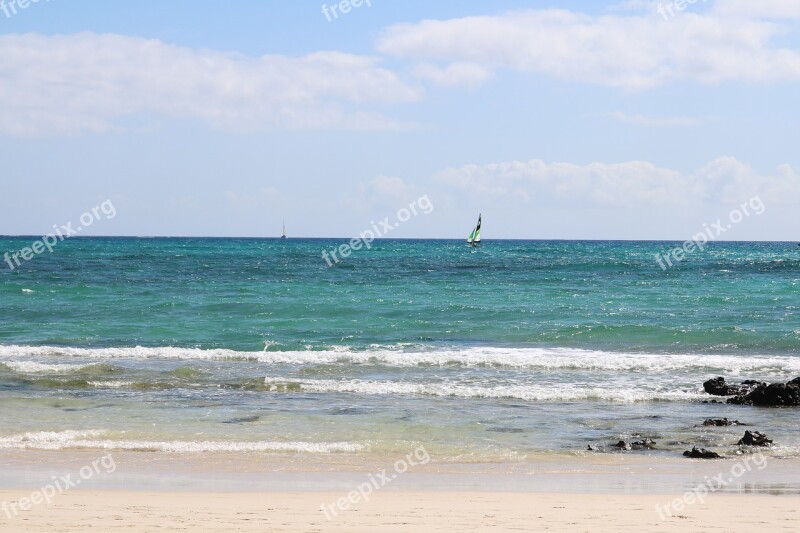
(511, 349)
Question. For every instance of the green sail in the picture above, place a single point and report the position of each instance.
(475, 236)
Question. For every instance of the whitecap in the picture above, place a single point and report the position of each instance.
(32, 367)
(543, 359)
(71, 439)
(531, 392)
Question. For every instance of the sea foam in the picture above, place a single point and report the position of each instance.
(545, 359)
(71, 439)
(533, 392)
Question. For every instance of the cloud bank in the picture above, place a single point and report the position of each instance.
(86, 82)
(628, 184)
(629, 52)
(93, 82)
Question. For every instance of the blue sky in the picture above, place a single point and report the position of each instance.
(564, 119)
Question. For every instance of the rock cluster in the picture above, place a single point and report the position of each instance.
(702, 453)
(721, 422)
(754, 438)
(756, 392)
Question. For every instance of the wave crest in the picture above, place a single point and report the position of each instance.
(65, 440)
(545, 359)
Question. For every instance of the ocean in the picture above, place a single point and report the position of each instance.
(500, 353)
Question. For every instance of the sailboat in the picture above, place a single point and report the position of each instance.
(474, 238)
(284, 231)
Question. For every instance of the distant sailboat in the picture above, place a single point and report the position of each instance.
(474, 238)
(284, 231)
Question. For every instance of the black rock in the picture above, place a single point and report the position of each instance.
(622, 445)
(718, 387)
(754, 438)
(701, 454)
(774, 395)
(721, 422)
(243, 420)
(645, 443)
(752, 392)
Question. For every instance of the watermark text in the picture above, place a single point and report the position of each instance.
(10, 7)
(671, 9)
(59, 486)
(344, 7)
(381, 229)
(61, 233)
(376, 481)
(698, 242)
(711, 485)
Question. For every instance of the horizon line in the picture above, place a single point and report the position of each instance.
(279, 238)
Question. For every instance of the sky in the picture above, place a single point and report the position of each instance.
(555, 120)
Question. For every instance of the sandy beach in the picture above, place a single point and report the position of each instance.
(239, 492)
(401, 512)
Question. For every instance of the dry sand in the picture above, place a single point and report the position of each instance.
(217, 493)
(399, 511)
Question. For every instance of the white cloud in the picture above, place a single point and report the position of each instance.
(629, 184)
(631, 52)
(391, 186)
(775, 9)
(382, 191)
(656, 122)
(635, 5)
(88, 82)
(736, 181)
(456, 74)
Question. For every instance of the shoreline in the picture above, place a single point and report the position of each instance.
(610, 473)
